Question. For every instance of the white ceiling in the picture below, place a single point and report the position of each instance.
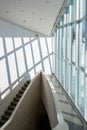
(36, 15)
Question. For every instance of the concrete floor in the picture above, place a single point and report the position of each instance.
(69, 114)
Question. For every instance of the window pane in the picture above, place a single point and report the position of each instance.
(64, 40)
(82, 44)
(73, 10)
(28, 56)
(12, 67)
(43, 47)
(26, 40)
(20, 62)
(68, 43)
(47, 66)
(82, 8)
(32, 38)
(32, 73)
(17, 42)
(73, 42)
(56, 66)
(61, 40)
(67, 14)
(80, 97)
(36, 52)
(67, 76)
(3, 76)
(51, 59)
(49, 43)
(62, 46)
(38, 68)
(59, 68)
(9, 44)
(1, 47)
(73, 82)
(62, 71)
(57, 42)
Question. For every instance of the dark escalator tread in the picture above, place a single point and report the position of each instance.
(21, 91)
(28, 81)
(14, 103)
(18, 95)
(8, 112)
(25, 85)
(23, 88)
(11, 107)
(5, 117)
(16, 99)
(2, 122)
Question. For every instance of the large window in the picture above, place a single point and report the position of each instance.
(20, 56)
(71, 55)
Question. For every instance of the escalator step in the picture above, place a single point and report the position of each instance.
(18, 95)
(5, 117)
(21, 91)
(28, 81)
(16, 99)
(11, 107)
(14, 103)
(2, 122)
(8, 112)
(25, 85)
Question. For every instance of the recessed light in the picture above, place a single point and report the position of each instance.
(32, 13)
(45, 18)
(7, 11)
(21, 11)
(24, 21)
(47, 1)
(40, 19)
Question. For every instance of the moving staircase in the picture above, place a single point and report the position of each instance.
(13, 104)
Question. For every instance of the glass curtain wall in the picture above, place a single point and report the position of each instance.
(20, 56)
(71, 53)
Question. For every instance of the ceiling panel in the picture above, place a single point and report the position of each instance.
(36, 15)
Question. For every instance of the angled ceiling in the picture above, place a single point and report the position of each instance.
(36, 15)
